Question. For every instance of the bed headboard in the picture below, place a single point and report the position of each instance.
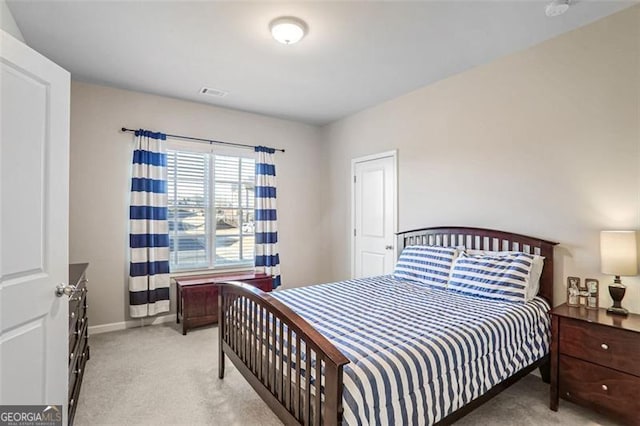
(485, 239)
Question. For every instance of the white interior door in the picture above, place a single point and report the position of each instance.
(34, 198)
(374, 215)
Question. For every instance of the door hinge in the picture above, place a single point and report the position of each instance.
(354, 232)
(354, 179)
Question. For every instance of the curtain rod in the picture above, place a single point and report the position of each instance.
(209, 141)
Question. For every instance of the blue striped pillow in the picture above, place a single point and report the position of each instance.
(502, 278)
(429, 265)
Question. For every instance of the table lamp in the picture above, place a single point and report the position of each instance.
(619, 257)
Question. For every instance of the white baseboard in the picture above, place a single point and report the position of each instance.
(114, 326)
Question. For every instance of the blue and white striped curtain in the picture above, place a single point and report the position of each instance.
(149, 230)
(266, 218)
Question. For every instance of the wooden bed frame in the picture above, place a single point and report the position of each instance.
(244, 310)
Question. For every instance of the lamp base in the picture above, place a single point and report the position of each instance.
(617, 291)
(617, 311)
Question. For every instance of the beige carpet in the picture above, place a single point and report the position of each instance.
(155, 375)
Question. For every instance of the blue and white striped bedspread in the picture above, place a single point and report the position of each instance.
(417, 354)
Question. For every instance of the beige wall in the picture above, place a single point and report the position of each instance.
(543, 142)
(99, 187)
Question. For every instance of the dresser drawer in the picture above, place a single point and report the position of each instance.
(77, 367)
(76, 373)
(78, 334)
(608, 391)
(76, 297)
(606, 346)
(77, 303)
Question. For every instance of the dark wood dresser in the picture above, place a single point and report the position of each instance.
(198, 296)
(595, 361)
(78, 333)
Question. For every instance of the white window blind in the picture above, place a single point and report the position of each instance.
(211, 202)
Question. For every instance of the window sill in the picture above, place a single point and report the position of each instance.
(194, 272)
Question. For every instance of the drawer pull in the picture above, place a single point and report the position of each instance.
(604, 346)
(73, 314)
(605, 388)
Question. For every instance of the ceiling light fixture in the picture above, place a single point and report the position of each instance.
(288, 30)
(557, 7)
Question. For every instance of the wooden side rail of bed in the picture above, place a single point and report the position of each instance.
(278, 352)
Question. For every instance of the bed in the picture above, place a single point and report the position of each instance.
(404, 354)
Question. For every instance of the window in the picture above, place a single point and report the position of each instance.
(211, 202)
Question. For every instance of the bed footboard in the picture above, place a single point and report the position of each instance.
(294, 369)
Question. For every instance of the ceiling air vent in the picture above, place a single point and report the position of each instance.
(216, 93)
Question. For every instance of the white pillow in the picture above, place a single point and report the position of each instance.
(536, 268)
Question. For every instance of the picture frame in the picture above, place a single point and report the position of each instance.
(573, 291)
(593, 292)
(582, 285)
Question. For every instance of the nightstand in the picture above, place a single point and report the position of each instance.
(595, 361)
(198, 296)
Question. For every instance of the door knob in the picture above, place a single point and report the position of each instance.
(62, 289)
(388, 247)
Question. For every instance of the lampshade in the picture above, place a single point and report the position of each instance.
(618, 253)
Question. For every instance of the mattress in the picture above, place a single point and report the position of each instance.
(418, 353)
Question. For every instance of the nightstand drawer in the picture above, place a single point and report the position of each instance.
(606, 390)
(606, 346)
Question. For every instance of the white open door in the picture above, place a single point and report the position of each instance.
(374, 215)
(34, 199)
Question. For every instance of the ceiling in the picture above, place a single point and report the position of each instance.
(356, 54)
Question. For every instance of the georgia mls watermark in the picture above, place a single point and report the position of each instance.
(30, 415)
